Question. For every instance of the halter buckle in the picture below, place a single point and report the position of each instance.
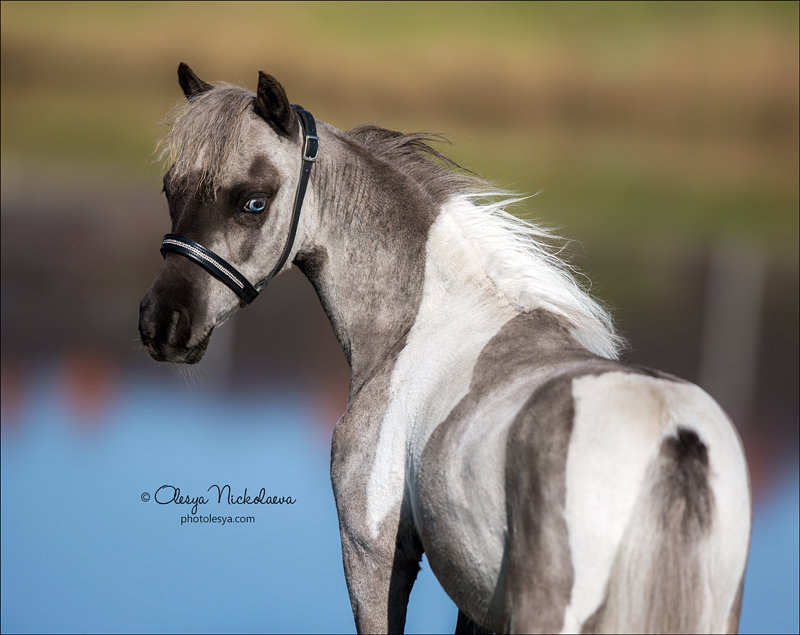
(306, 156)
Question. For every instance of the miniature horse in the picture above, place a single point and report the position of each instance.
(489, 423)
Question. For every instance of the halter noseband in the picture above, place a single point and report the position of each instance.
(220, 268)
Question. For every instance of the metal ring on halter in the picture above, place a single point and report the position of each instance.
(220, 268)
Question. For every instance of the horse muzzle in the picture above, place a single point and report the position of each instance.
(169, 332)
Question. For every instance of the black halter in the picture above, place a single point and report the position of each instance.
(220, 268)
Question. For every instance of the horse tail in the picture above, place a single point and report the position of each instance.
(660, 581)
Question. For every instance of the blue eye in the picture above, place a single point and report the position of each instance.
(255, 205)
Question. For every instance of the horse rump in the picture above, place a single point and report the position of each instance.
(661, 578)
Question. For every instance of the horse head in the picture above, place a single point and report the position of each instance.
(233, 191)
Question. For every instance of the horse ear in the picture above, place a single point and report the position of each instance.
(273, 105)
(190, 83)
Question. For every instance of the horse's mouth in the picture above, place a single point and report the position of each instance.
(164, 352)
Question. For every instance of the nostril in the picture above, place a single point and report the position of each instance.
(173, 326)
(179, 329)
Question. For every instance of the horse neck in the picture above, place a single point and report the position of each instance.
(365, 254)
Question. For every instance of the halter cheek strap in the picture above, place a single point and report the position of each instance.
(220, 268)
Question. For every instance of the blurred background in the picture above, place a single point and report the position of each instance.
(661, 137)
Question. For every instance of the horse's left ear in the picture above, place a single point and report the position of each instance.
(273, 105)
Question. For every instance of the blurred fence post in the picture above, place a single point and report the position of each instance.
(734, 295)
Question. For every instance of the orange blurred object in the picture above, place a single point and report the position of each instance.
(88, 381)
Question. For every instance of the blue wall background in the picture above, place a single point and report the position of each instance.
(82, 552)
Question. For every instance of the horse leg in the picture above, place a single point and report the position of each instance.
(379, 581)
(465, 626)
(736, 610)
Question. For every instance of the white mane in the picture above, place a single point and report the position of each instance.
(519, 258)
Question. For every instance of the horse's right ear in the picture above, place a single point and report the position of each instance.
(273, 105)
(190, 83)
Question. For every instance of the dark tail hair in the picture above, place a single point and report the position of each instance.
(660, 580)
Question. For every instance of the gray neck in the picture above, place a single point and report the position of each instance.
(366, 258)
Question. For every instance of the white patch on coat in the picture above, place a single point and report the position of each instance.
(620, 422)
(459, 313)
(483, 267)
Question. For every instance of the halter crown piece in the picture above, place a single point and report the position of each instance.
(220, 268)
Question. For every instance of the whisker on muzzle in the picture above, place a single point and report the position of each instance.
(192, 375)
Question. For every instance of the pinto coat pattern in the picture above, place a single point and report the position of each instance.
(490, 424)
